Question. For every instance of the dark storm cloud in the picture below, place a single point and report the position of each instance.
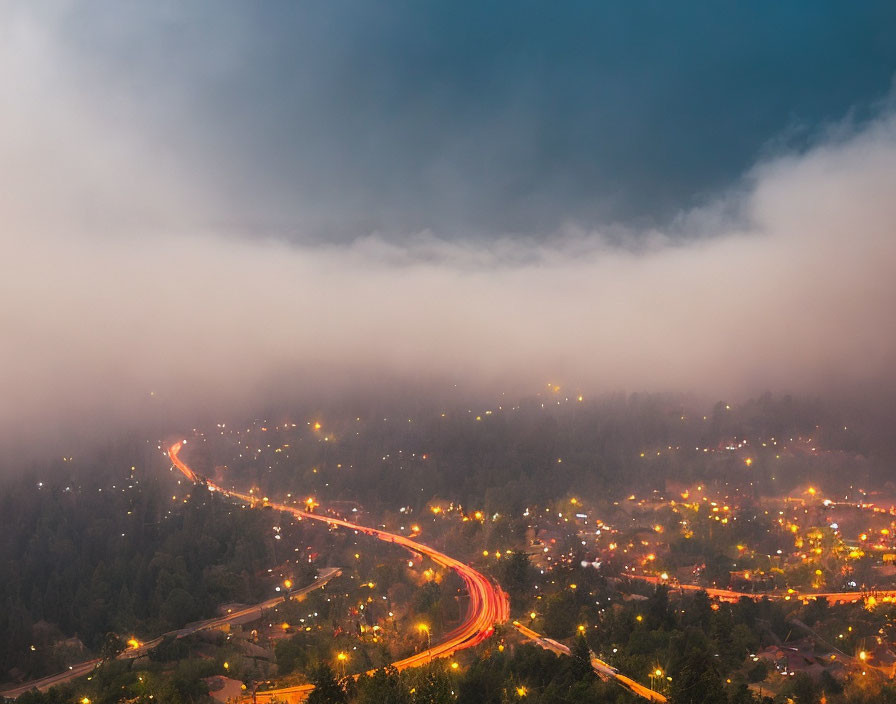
(126, 268)
(339, 119)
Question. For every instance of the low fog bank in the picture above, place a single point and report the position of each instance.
(794, 296)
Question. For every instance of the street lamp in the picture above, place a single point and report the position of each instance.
(657, 674)
(342, 657)
(423, 628)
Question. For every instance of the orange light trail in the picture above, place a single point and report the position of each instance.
(488, 604)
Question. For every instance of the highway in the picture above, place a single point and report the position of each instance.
(729, 595)
(604, 670)
(45, 683)
(488, 604)
(250, 613)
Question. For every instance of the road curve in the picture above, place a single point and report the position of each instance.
(488, 604)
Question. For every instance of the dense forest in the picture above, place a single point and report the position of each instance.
(98, 547)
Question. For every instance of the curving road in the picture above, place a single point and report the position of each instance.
(488, 604)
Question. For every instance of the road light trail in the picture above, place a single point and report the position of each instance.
(883, 596)
(604, 670)
(488, 604)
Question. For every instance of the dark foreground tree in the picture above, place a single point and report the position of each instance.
(581, 659)
(695, 676)
(433, 686)
(326, 687)
(385, 686)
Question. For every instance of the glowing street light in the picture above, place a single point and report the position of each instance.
(657, 674)
(342, 657)
(423, 628)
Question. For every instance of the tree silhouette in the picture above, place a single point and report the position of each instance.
(326, 687)
(695, 677)
(581, 658)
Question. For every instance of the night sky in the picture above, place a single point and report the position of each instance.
(333, 120)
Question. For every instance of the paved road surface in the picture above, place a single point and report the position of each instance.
(250, 613)
(488, 604)
(729, 595)
(45, 683)
(604, 670)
